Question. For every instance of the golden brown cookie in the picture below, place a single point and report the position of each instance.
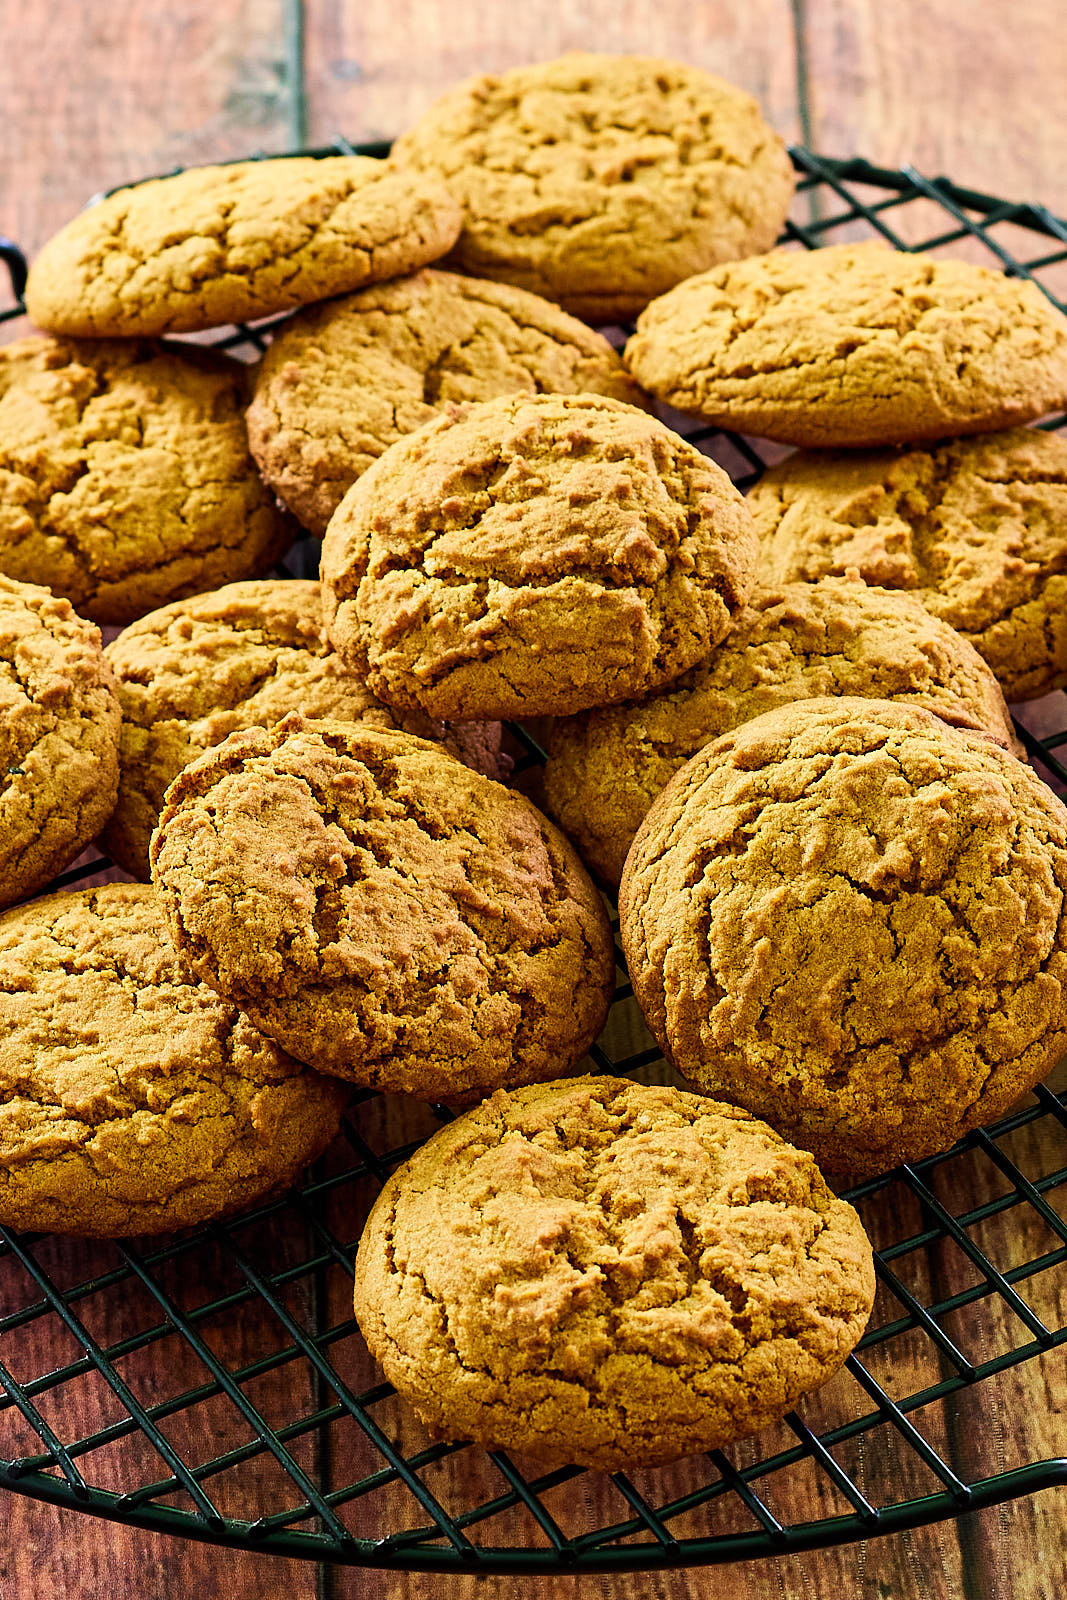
(850, 918)
(231, 243)
(194, 672)
(534, 555)
(608, 1274)
(126, 476)
(341, 382)
(382, 911)
(854, 345)
(59, 732)
(599, 181)
(796, 642)
(131, 1100)
(976, 529)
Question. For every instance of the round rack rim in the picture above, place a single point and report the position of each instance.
(411, 1550)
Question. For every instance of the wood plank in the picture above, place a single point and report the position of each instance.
(96, 94)
(971, 90)
(373, 68)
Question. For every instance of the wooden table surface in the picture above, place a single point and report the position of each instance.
(94, 93)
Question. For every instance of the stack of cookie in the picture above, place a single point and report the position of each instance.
(842, 911)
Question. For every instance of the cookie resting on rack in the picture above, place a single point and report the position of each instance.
(607, 1274)
(344, 380)
(127, 481)
(833, 637)
(192, 673)
(601, 180)
(221, 244)
(132, 1100)
(534, 555)
(382, 911)
(850, 918)
(59, 736)
(975, 529)
(854, 345)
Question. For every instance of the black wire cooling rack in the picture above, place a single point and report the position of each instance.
(215, 1386)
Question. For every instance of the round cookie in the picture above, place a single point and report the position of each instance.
(599, 181)
(607, 1274)
(976, 530)
(59, 732)
(534, 555)
(131, 1100)
(342, 382)
(853, 345)
(232, 243)
(382, 911)
(245, 656)
(850, 918)
(797, 642)
(125, 474)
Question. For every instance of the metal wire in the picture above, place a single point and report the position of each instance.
(342, 1473)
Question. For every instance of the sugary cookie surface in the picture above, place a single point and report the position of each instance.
(833, 637)
(534, 555)
(126, 473)
(850, 918)
(975, 529)
(244, 656)
(599, 181)
(382, 911)
(131, 1100)
(343, 381)
(604, 1273)
(213, 245)
(59, 732)
(853, 345)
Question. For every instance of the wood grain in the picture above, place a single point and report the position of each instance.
(374, 67)
(974, 90)
(96, 94)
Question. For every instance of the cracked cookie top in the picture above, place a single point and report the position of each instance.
(608, 1274)
(534, 555)
(244, 656)
(59, 731)
(342, 382)
(849, 917)
(599, 181)
(126, 476)
(384, 912)
(854, 344)
(131, 1100)
(223, 244)
(796, 642)
(976, 529)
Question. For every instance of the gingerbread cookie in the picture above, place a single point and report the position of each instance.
(850, 918)
(231, 243)
(854, 345)
(833, 637)
(599, 181)
(976, 529)
(382, 911)
(534, 555)
(341, 382)
(126, 474)
(608, 1274)
(59, 730)
(133, 1101)
(241, 657)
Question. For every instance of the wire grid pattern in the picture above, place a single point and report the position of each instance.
(222, 1390)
